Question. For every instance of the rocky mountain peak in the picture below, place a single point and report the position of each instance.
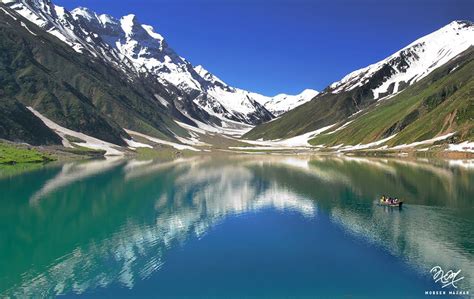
(412, 63)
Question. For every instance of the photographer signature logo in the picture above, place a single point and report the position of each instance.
(449, 278)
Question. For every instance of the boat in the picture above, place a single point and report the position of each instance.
(385, 202)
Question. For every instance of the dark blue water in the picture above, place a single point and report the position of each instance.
(272, 254)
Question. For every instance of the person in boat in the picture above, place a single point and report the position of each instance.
(389, 200)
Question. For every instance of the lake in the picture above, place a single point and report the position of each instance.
(261, 226)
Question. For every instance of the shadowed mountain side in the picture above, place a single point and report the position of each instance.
(20, 125)
(72, 89)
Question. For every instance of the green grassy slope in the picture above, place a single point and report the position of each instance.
(404, 113)
(10, 154)
(75, 90)
(443, 102)
(325, 109)
(322, 111)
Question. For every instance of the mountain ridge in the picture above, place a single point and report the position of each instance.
(439, 107)
(122, 44)
(115, 79)
(365, 87)
(443, 45)
(139, 51)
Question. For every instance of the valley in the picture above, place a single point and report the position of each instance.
(87, 83)
(256, 149)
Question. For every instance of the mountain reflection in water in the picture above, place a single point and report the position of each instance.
(82, 226)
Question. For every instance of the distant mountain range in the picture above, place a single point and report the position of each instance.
(113, 78)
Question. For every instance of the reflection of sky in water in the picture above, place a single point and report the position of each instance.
(204, 191)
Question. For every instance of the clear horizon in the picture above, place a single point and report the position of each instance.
(273, 47)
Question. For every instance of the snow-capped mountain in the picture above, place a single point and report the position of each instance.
(244, 104)
(59, 22)
(341, 102)
(282, 103)
(138, 50)
(411, 63)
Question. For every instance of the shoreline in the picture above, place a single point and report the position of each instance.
(52, 154)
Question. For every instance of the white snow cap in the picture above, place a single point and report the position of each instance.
(128, 22)
(85, 13)
(421, 57)
(282, 103)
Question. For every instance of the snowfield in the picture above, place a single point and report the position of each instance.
(466, 146)
(161, 141)
(367, 145)
(428, 141)
(297, 142)
(89, 142)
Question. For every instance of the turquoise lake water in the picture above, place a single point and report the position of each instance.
(236, 227)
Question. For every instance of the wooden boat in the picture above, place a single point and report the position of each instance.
(387, 203)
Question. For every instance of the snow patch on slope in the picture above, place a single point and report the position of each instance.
(367, 145)
(132, 144)
(427, 141)
(89, 142)
(228, 128)
(8, 14)
(466, 146)
(297, 142)
(26, 27)
(161, 141)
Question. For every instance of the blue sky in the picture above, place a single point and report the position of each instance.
(274, 46)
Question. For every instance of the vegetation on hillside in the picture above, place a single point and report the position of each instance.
(441, 103)
(13, 154)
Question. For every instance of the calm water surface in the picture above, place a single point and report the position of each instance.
(236, 227)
